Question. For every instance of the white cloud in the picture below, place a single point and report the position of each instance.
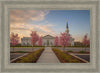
(23, 16)
(19, 22)
(27, 28)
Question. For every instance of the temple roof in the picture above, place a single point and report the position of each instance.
(47, 36)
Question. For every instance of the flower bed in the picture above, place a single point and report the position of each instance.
(65, 58)
(30, 58)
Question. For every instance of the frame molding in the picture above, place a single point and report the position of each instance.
(93, 6)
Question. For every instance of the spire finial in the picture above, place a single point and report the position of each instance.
(67, 29)
(67, 20)
(67, 23)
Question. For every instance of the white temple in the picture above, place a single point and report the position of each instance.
(47, 40)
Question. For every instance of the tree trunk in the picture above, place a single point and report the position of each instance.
(13, 48)
(85, 49)
(32, 48)
(82, 48)
(64, 49)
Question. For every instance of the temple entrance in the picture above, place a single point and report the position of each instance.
(48, 43)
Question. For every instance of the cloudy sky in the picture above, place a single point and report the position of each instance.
(51, 22)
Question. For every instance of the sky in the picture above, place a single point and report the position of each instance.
(50, 22)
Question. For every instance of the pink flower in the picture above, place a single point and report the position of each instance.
(56, 41)
(40, 41)
(86, 41)
(14, 39)
(64, 39)
(34, 38)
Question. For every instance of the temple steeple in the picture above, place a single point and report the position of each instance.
(67, 24)
(67, 29)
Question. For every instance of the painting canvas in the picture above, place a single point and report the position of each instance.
(49, 36)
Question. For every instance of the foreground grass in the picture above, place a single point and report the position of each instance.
(26, 47)
(80, 52)
(65, 58)
(30, 58)
(19, 52)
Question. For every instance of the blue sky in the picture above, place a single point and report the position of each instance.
(51, 22)
(78, 20)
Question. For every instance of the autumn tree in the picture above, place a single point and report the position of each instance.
(86, 41)
(64, 40)
(34, 38)
(14, 39)
(56, 41)
(40, 41)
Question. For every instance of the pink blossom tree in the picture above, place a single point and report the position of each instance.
(34, 38)
(86, 41)
(40, 41)
(14, 39)
(64, 40)
(56, 41)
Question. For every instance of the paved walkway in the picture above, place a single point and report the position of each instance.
(48, 56)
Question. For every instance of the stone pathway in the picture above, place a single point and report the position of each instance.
(48, 56)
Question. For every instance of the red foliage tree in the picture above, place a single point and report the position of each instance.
(56, 41)
(64, 40)
(40, 41)
(34, 37)
(14, 39)
(86, 41)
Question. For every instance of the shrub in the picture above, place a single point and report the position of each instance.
(18, 52)
(70, 51)
(30, 58)
(82, 52)
(65, 58)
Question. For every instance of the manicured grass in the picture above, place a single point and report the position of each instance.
(82, 52)
(70, 51)
(19, 52)
(65, 58)
(71, 47)
(26, 47)
(31, 57)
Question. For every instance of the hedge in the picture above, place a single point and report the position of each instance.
(31, 57)
(65, 58)
(19, 52)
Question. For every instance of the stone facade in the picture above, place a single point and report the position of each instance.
(47, 40)
(26, 41)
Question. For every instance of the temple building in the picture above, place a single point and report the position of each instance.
(47, 40)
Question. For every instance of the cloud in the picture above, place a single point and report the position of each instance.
(78, 38)
(23, 16)
(14, 28)
(42, 29)
(19, 22)
(46, 29)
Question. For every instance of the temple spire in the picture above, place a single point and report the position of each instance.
(67, 29)
(67, 24)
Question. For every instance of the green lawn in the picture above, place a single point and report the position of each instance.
(27, 47)
(31, 57)
(65, 57)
